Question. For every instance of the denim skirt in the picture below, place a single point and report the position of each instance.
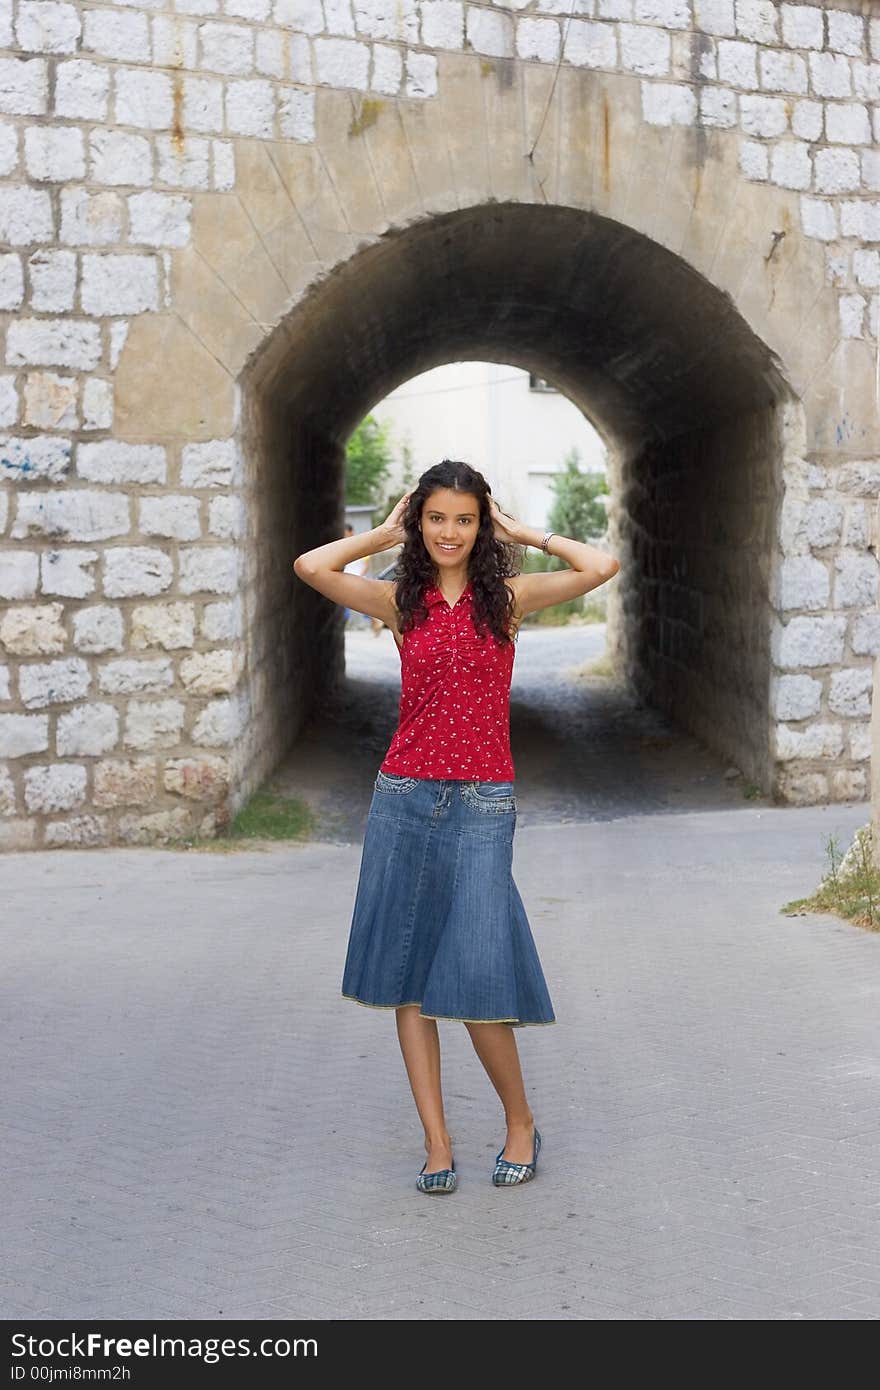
(438, 920)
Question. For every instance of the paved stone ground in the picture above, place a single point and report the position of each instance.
(197, 1125)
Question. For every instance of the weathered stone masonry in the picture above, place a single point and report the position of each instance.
(230, 226)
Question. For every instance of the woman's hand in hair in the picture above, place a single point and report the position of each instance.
(393, 523)
(506, 527)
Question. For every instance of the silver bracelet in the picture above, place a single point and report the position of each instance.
(546, 541)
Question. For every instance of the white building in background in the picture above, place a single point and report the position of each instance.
(513, 427)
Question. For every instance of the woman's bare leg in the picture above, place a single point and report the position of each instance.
(495, 1045)
(420, 1045)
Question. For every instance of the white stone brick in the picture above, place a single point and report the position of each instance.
(113, 462)
(87, 730)
(8, 148)
(50, 401)
(175, 42)
(871, 170)
(693, 57)
(119, 285)
(58, 788)
(42, 457)
(850, 692)
(117, 35)
(35, 630)
(222, 622)
(248, 9)
(17, 834)
(859, 741)
(143, 98)
(339, 19)
(342, 63)
(19, 571)
(121, 782)
(668, 14)
(118, 335)
(53, 343)
(250, 108)
(387, 19)
(790, 165)
(874, 32)
(211, 673)
(214, 464)
(159, 219)
(90, 219)
(270, 59)
(846, 33)
(387, 69)
(421, 74)
(644, 50)
(79, 830)
(807, 120)
(296, 115)
(866, 80)
(53, 280)
(866, 266)
(119, 158)
(847, 123)
(203, 103)
(605, 9)
(796, 697)
(803, 583)
(818, 219)
(442, 24)
(856, 582)
(856, 530)
(782, 72)
(859, 219)
(202, 779)
(754, 160)
(830, 75)
(816, 741)
(718, 107)
(98, 629)
(865, 639)
(174, 517)
(67, 572)
(537, 38)
(209, 569)
(299, 54)
(45, 27)
(223, 163)
(188, 167)
(135, 571)
(25, 216)
(24, 86)
(8, 416)
(131, 677)
(21, 734)
(71, 515)
(837, 266)
(859, 479)
(851, 309)
(667, 103)
(836, 171)
(168, 625)
(809, 642)
(218, 725)
(737, 63)
(802, 26)
(7, 788)
(53, 682)
(305, 16)
(756, 19)
(763, 116)
(228, 48)
(199, 7)
(11, 281)
(226, 517)
(585, 45)
(715, 17)
(153, 723)
(81, 90)
(6, 38)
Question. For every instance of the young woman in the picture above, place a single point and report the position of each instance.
(439, 929)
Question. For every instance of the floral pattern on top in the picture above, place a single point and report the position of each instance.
(454, 717)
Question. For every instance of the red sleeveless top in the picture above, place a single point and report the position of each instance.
(454, 698)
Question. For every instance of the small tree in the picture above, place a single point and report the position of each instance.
(577, 511)
(368, 457)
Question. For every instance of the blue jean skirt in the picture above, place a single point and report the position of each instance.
(438, 920)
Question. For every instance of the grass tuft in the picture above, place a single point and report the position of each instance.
(850, 888)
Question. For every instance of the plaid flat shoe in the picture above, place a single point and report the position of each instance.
(507, 1173)
(444, 1180)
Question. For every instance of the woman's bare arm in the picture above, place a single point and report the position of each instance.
(590, 566)
(323, 569)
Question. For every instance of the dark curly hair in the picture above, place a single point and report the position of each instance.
(490, 561)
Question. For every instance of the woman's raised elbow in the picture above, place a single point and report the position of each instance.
(303, 568)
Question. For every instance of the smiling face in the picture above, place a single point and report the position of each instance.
(450, 522)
